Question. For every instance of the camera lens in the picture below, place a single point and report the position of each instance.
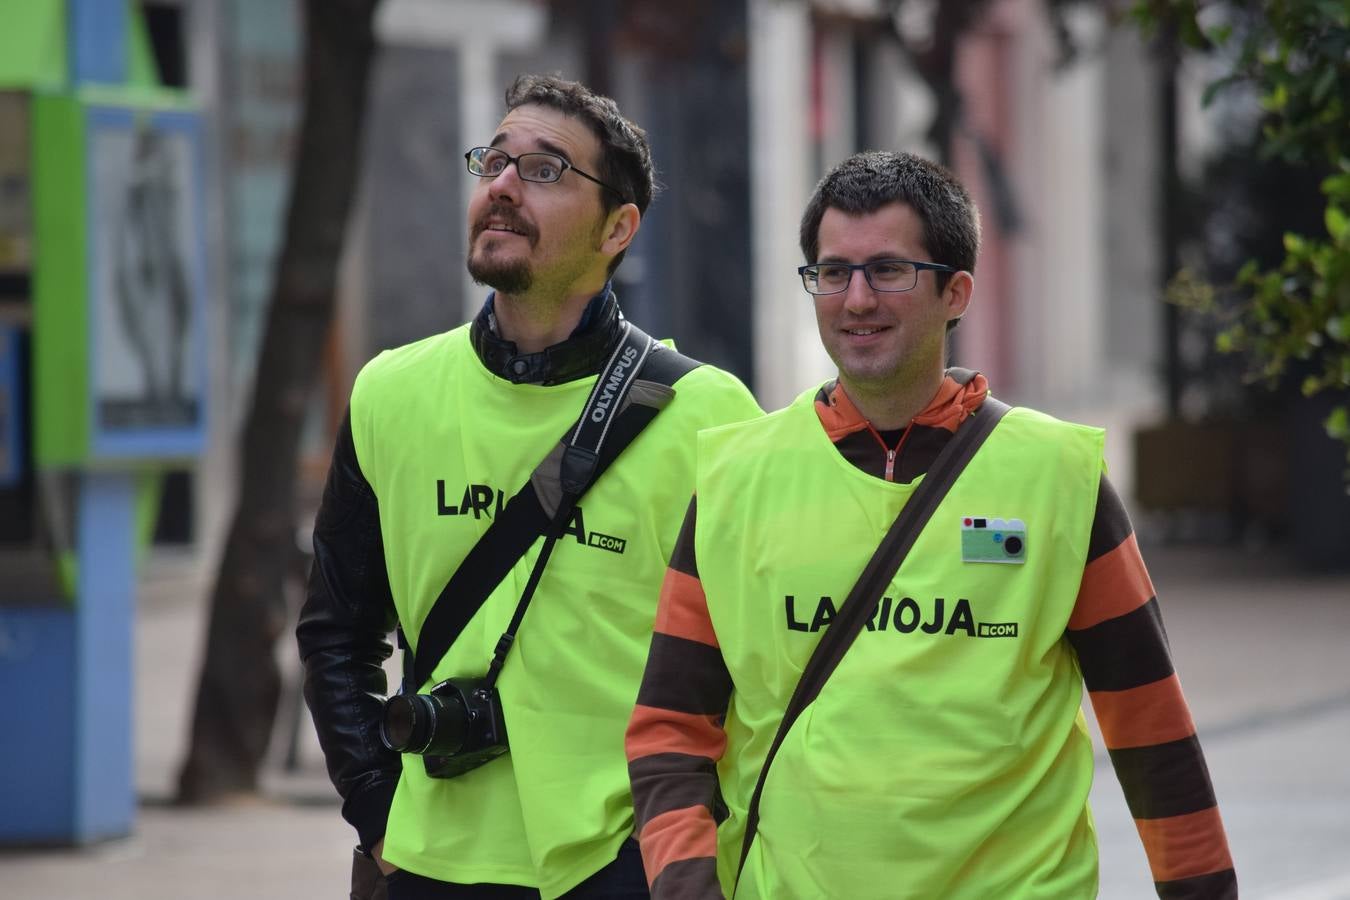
(424, 723)
(1013, 546)
(409, 720)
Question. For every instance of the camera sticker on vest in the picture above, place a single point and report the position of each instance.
(993, 540)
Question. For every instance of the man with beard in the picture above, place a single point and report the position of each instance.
(440, 434)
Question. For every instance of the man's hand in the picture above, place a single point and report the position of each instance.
(368, 874)
(377, 852)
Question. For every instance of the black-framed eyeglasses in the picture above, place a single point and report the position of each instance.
(882, 274)
(544, 168)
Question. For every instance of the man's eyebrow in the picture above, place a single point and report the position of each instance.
(544, 144)
(551, 147)
(875, 257)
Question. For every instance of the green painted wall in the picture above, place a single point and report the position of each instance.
(60, 283)
(33, 44)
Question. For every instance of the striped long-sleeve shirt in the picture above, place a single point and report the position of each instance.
(676, 737)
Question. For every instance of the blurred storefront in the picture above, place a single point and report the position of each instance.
(747, 103)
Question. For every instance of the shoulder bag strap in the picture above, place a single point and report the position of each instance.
(614, 415)
(876, 575)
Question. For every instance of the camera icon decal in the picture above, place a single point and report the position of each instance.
(990, 540)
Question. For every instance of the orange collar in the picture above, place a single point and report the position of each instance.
(949, 407)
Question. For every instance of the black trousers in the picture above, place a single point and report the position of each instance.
(622, 879)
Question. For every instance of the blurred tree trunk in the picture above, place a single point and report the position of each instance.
(239, 685)
(934, 59)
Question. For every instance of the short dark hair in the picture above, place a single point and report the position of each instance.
(867, 181)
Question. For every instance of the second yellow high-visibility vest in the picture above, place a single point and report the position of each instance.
(946, 757)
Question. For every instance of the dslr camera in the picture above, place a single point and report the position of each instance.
(455, 727)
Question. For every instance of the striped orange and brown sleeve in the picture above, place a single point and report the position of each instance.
(1117, 631)
(675, 737)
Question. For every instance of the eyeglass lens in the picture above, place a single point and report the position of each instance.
(883, 275)
(531, 166)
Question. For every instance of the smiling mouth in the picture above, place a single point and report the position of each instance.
(863, 332)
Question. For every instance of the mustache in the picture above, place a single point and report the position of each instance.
(504, 215)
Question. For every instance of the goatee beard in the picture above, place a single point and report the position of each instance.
(508, 278)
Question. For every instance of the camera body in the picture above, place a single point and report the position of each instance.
(993, 540)
(455, 727)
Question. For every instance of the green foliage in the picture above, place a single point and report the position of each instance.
(1296, 54)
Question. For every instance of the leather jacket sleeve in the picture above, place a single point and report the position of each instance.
(343, 635)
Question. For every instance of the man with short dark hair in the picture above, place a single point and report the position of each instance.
(945, 755)
(442, 438)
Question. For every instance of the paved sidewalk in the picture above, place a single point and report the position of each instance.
(291, 844)
(1261, 650)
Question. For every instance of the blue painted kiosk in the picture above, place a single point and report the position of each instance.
(118, 382)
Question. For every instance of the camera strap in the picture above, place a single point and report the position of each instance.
(635, 384)
(862, 601)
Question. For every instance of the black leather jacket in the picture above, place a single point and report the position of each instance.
(349, 612)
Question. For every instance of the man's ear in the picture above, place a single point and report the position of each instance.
(621, 227)
(956, 295)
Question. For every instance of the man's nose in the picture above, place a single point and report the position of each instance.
(859, 295)
(506, 184)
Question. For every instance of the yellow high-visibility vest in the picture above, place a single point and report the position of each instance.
(445, 444)
(947, 756)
